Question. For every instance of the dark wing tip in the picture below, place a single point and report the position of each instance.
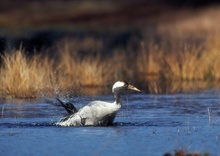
(69, 107)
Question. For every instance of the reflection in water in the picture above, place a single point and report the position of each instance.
(146, 125)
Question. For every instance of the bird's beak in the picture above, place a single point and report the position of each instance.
(130, 87)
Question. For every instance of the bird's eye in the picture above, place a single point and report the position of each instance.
(126, 85)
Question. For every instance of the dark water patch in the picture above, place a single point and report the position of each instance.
(26, 125)
(116, 124)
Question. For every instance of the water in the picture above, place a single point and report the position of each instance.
(146, 125)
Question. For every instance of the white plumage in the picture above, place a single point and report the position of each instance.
(98, 112)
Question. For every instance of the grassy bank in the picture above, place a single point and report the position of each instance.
(165, 67)
(186, 153)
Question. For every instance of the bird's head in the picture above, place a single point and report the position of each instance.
(123, 86)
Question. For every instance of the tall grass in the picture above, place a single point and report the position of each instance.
(182, 65)
(30, 77)
(212, 55)
(86, 71)
(193, 63)
(157, 68)
(24, 77)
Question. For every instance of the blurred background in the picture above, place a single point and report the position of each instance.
(127, 39)
(40, 23)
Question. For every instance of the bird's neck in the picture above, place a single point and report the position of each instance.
(118, 99)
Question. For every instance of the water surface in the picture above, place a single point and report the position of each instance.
(146, 125)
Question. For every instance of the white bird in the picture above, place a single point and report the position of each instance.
(97, 113)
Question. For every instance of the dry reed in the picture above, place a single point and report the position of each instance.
(23, 77)
(158, 67)
(80, 70)
(179, 66)
(30, 77)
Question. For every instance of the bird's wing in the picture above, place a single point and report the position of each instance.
(69, 107)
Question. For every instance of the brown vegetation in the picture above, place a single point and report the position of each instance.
(23, 77)
(185, 57)
(181, 65)
(157, 68)
(186, 153)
